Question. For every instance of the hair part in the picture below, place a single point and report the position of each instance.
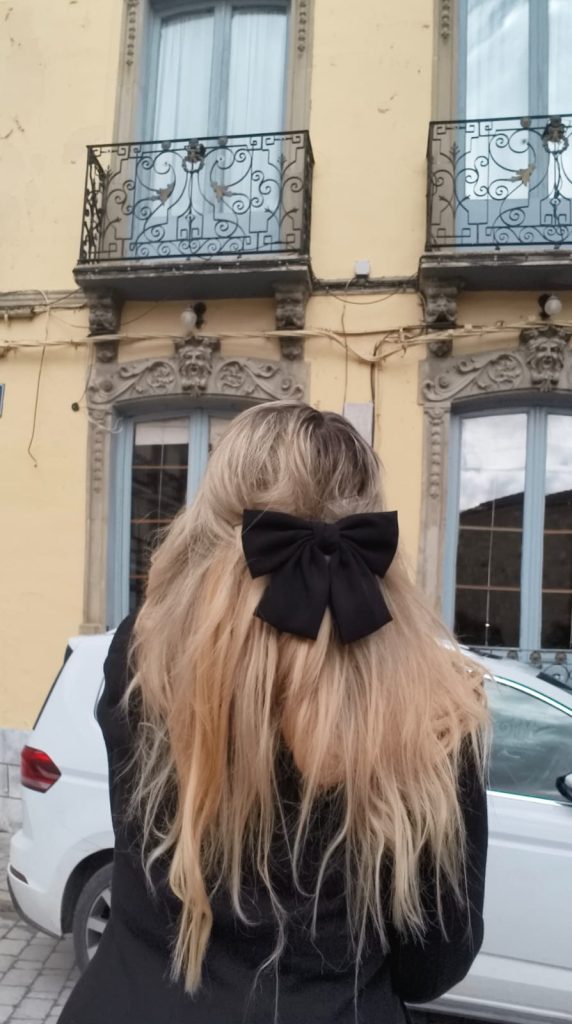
(382, 723)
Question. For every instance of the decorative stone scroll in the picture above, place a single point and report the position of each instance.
(196, 371)
(541, 362)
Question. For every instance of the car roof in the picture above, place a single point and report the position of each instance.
(95, 640)
(515, 671)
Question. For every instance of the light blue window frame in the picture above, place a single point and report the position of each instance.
(533, 511)
(120, 491)
(222, 11)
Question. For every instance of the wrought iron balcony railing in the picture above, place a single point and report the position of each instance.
(198, 199)
(500, 183)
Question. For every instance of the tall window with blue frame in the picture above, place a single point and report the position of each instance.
(159, 466)
(509, 552)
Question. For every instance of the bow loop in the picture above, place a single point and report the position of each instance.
(313, 565)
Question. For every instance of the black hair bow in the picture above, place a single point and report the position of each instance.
(314, 564)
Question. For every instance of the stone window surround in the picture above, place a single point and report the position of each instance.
(540, 365)
(446, 15)
(196, 373)
(132, 67)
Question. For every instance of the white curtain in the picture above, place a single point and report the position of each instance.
(184, 76)
(560, 43)
(257, 68)
(497, 58)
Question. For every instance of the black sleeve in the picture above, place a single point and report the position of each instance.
(422, 970)
(117, 728)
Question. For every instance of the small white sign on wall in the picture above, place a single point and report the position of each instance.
(360, 415)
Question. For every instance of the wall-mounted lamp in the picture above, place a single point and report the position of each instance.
(550, 305)
(193, 316)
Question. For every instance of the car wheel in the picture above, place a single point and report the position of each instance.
(91, 915)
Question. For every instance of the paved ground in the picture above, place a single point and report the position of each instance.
(37, 972)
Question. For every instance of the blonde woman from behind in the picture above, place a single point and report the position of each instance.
(296, 756)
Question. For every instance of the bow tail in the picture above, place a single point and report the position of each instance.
(358, 605)
(297, 595)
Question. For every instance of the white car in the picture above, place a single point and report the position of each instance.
(60, 861)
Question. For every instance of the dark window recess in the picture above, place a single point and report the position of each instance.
(487, 605)
(158, 491)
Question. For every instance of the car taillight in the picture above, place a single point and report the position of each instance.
(37, 770)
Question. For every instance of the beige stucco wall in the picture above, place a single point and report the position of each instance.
(42, 510)
(370, 112)
(58, 72)
(370, 108)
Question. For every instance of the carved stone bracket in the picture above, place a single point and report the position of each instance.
(440, 313)
(104, 318)
(542, 362)
(291, 316)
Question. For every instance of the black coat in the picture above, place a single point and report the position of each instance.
(127, 982)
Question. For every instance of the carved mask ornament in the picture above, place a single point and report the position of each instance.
(195, 364)
(545, 352)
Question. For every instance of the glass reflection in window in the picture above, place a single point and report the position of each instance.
(493, 460)
(557, 562)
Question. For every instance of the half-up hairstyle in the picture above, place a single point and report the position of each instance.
(384, 722)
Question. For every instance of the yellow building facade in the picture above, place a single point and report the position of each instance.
(265, 170)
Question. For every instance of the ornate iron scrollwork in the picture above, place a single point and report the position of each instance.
(205, 198)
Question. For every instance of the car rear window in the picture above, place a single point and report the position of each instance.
(68, 652)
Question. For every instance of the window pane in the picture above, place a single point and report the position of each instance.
(560, 43)
(184, 76)
(489, 552)
(497, 58)
(257, 69)
(557, 562)
(532, 743)
(158, 491)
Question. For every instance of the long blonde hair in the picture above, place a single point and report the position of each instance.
(383, 723)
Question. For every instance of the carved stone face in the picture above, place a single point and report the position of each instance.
(545, 358)
(290, 313)
(195, 364)
(441, 308)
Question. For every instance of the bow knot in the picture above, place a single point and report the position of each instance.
(327, 537)
(314, 565)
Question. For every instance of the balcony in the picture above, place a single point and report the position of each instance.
(199, 218)
(499, 203)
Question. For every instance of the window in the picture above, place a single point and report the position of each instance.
(160, 464)
(509, 552)
(216, 68)
(514, 58)
(532, 742)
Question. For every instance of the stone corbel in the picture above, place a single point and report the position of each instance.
(440, 301)
(291, 316)
(104, 319)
